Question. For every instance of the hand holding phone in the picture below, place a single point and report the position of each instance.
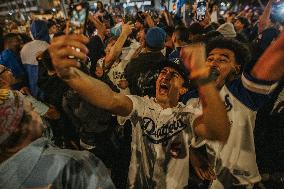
(78, 14)
(201, 10)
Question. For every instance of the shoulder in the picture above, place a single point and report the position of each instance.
(6, 54)
(250, 91)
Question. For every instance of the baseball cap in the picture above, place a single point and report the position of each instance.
(227, 30)
(178, 65)
(11, 112)
(155, 38)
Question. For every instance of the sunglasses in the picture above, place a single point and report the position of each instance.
(4, 70)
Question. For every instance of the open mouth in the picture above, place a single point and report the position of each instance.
(215, 73)
(164, 88)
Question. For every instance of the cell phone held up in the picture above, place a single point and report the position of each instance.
(201, 10)
(78, 15)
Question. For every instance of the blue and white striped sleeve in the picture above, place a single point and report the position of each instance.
(250, 91)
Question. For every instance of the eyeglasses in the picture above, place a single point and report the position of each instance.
(4, 70)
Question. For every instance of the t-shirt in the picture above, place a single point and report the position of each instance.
(235, 161)
(117, 71)
(28, 55)
(155, 131)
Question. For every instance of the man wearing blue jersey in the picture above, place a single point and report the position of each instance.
(243, 92)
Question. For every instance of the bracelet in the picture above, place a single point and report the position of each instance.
(214, 73)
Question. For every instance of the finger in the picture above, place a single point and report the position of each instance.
(206, 174)
(69, 52)
(69, 41)
(67, 26)
(198, 173)
(80, 38)
(129, 23)
(97, 22)
(203, 173)
(73, 44)
(212, 173)
(62, 64)
(65, 39)
(78, 45)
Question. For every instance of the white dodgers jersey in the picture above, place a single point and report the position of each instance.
(235, 161)
(154, 132)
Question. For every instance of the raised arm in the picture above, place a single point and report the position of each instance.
(270, 66)
(264, 19)
(149, 20)
(116, 49)
(214, 123)
(94, 91)
(101, 28)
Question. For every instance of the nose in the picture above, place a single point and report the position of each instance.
(212, 63)
(167, 76)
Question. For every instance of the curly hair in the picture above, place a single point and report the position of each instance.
(241, 51)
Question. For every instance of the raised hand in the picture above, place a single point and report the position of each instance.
(101, 28)
(62, 48)
(127, 28)
(194, 58)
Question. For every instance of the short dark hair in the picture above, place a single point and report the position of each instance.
(196, 28)
(244, 21)
(10, 36)
(182, 34)
(241, 51)
(50, 23)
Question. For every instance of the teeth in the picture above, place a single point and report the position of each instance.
(163, 85)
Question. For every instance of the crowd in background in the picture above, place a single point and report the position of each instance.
(127, 53)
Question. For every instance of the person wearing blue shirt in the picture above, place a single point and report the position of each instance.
(10, 58)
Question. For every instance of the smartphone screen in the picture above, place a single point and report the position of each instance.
(201, 10)
(78, 14)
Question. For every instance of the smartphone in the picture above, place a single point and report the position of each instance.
(201, 10)
(78, 14)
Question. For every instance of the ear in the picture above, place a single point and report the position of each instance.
(182, 91)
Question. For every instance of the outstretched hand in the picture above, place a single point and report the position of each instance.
(62, 48)
(194, 58)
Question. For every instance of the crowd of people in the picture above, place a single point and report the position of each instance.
(149, 99)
